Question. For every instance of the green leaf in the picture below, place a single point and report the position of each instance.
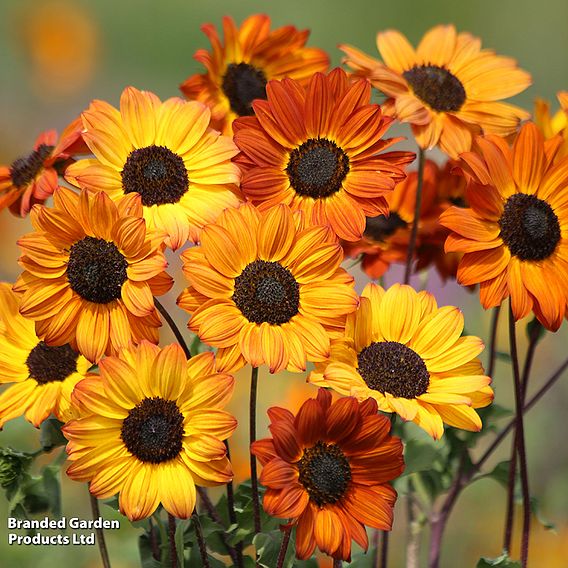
(181, 527)
(362, 560)
(502, 561)
(503, 356)
(419, 455)
(309, 563)
(52, 488)
(268, 546)
(147, 560)
(500, 473)
(50, 435)
(13, 466)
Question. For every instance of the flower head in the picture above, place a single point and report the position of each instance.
(447, 89)
(33, 178)
(152, 428)
(328, 469)
(166, 152)
(515, 233)
(43, 376)
(316, 149)
(266, 291)
(555, 124)
(252, 55)
(91, 269)
(409, 355)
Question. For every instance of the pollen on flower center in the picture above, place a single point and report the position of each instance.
(96, 270)
(529, 227)
(24, 170)
(47, 364)
(317, 168)
(389, 366)
(153, 430)
(157, 174)
(267, 292)
(437, 87)
(242, 84)
(380, 227)
(324, 472)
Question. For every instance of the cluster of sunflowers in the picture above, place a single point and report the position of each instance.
(273, 170)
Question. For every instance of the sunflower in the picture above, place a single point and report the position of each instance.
(238, 71)
(265, 291)
(327, 469)
(406, 353)
(33, 178)
(167, 153)
(151, 428)
(316, 150)
(90, 271)
(386, 237)
(448, 89)
(515, 233)
(44, 376)
(553, 124)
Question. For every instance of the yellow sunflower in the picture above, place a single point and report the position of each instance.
(448, 88)
(167, 153)
(263, 290)
(237, 72)
(43, 376)
(409, 355)
(152, 428)
(91, 270)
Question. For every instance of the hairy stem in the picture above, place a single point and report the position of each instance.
(99, 532)
(493, 340)
(172, 539)
(283, 547)
(417, 208)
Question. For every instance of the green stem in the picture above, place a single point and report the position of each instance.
(253, 472)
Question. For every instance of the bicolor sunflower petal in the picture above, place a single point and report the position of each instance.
(514, 236)
(151, 428)
(166, 152)
(448, 89)
(328, 471)
(320, 154)
(91, 269)
(410, 360)
(261, 295)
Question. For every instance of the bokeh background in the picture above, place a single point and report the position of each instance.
(57, 55)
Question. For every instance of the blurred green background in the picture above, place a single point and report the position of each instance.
(57, 55)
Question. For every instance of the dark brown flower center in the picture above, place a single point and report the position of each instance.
(529, 227)
(267, 292)
(242, 84)
(437, 87)
(47, 364)
(153, 430)
(325, 473)
(380, 227)
(24, 170)
(157, 174)
(317, 168)
(96, 270)
(389, 366)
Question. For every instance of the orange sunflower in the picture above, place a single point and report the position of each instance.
(152, 428)
(386, 237)
(551, 125)
(316, 149)
(447, 89)
(91, 270)
(167, 153)
(43, 376)
(409, 355)
(265, 291)
(328, 469)
(515, 233)
(238, 71)
(33, 178)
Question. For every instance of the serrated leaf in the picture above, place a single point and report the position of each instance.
(362, 560)
(419, 455)
(268, 544)
(502, 561)
(499, 473)
(535, 508)
(52, 486)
